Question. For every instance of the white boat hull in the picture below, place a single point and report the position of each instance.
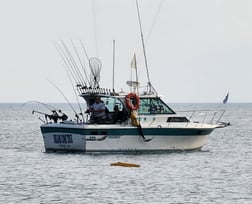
(59, 137)
(136, 143)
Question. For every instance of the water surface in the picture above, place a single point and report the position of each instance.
(220, 173)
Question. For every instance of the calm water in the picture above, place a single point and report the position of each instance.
(220, 173)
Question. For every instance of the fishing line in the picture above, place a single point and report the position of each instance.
(63, 96)
(75, 96)
(149, 33)
(49, 107)
(154, 21)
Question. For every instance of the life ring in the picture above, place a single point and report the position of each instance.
(128, 102)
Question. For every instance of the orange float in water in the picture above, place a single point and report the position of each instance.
(123, 164)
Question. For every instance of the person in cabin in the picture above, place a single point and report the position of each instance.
(97, 110)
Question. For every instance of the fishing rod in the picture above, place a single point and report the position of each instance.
(49, 107)
(157, 13)
(94, 83)
(67, 62)
(64, 97)
(45, 114)
(81, 63)
(81, 79)
(65, 52)
(154, 21)
(83, 47)
(54, 116)
(81, 112)
(41, 120)
(76, 64)
(149, 85)
(42, 113)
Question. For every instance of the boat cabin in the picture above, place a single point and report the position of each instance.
(117, 111)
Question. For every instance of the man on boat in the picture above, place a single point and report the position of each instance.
(62, 116)
(54, 116)
(98, 111)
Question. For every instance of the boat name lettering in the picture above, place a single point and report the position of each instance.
(63, 138)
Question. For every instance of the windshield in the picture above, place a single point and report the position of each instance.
(154, 106)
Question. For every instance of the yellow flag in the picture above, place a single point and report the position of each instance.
(133, 62)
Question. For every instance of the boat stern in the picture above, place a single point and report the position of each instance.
(61, 138)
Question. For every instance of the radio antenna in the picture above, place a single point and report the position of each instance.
(150, 88)
(113, 80)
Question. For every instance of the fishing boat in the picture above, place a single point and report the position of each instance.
(148, 126)
(134, 121)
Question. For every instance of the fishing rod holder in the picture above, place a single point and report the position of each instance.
(94, 91)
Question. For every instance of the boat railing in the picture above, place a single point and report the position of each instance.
(203, 116)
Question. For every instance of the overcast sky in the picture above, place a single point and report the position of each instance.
(197, 50)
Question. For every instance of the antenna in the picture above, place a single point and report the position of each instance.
(95, 30)
(150, 88)
(113, 80)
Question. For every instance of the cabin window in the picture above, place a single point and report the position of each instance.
(115, 110)
(177, 120)
(110, 103)
(154, 106)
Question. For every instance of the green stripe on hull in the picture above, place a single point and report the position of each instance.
(129, 131)
(140, 151)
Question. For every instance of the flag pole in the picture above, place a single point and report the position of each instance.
(225, 100)
(136, 75)
(134, 66)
